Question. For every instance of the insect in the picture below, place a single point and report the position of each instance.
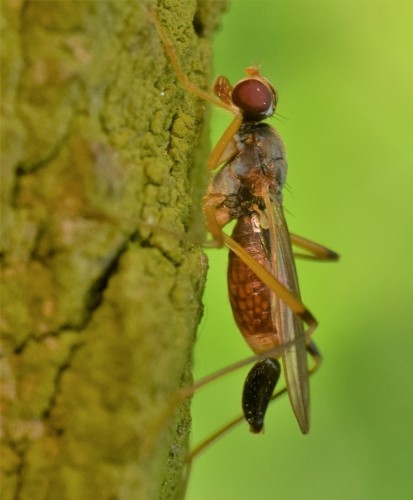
(262, 279)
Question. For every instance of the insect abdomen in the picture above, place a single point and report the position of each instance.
(250, 298)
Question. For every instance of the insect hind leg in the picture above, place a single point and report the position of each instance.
(201, 447)
(313, 351)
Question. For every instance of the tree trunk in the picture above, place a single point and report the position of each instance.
(100, 295)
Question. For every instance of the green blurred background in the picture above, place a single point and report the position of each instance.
(344, 73)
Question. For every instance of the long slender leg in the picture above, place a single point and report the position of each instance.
(296, 306)
(185, 392)
(317, 251)
(169, 49)
(218, 151)
(201, 447)
(216, 157)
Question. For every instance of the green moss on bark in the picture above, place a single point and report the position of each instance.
(99, 311)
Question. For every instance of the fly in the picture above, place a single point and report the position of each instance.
(262, 279)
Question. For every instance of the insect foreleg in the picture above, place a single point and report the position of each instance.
(183, 79)
(218, 153)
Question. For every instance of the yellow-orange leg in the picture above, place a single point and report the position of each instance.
(179, 397)
(219, 149)
(201, 447)
(316, 251)
(171, 53)
(217, 155)
(296, 306)
(198, 449)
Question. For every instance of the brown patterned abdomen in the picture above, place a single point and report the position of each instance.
(250, 298)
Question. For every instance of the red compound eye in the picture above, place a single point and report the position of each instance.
(254, 98)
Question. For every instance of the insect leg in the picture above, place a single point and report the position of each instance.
(317, 251)
(185, 392)
(201, 447)
(233, 127)
(216, 157)
(183, 79)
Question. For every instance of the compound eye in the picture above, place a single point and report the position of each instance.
(253, 97)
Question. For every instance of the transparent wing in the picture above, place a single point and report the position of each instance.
(289, 325)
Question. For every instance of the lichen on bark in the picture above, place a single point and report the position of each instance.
(99, 305)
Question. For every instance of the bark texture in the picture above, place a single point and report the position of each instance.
(98, 309)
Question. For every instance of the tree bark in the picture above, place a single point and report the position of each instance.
(100, 296)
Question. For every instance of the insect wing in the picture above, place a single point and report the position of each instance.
(289, 325)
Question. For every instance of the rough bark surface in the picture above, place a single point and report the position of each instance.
(99, 305)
